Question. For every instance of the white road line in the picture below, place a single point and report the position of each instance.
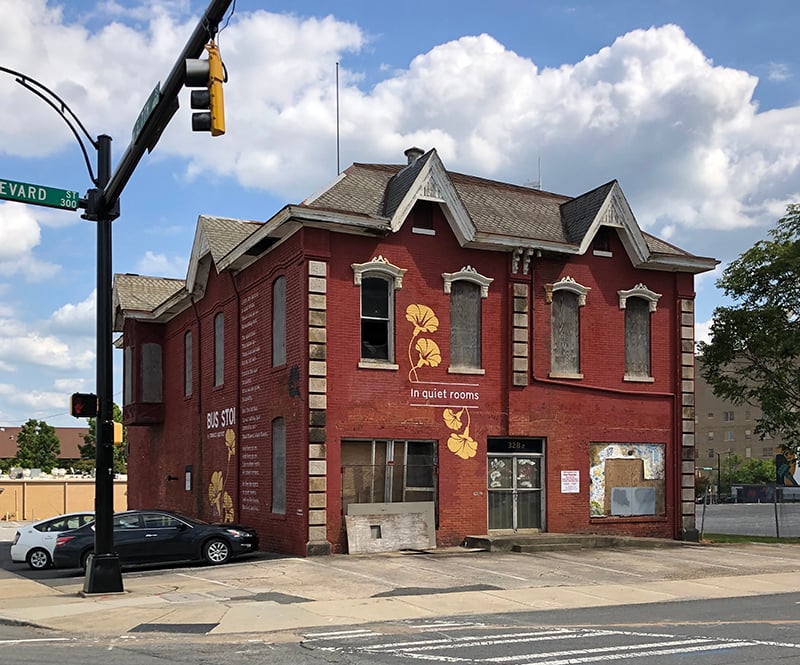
(472, 641)
(489, 571)
(578, 563)
(337, 635)
(37, 639)
(643, 654)
(681, 559)
(348, 572)
(574, 652)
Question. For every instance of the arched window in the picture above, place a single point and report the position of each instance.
(467, 288)
(566, 298)
(639, 303)
(279, 466)
(279, 322)
(219, 349)
(187, 364)
(378, 280)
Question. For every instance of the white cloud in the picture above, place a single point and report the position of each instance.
(19, 236)
(80, 318)
(779, 71)
(162, 266)
(702, 331)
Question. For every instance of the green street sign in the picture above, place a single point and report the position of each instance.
(146, 112)
(38, 195)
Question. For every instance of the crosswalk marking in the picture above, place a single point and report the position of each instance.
(457, 647)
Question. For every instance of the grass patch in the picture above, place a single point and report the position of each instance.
(731, 538)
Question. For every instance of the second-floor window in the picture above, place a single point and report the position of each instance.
(378, 280)
(187, 364)
(639, 304)
(377, 319)
(566, 297)
(279, 322)
(465, 325)
(219, 349)
(466, 288)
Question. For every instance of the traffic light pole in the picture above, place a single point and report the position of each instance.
(103, 571)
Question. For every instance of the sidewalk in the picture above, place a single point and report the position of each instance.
(283, 596)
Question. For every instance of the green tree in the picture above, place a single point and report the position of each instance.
(38, 446)
(88, 450)
(755, 471)
(754, 353)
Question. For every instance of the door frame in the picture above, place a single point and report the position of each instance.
(520, 447)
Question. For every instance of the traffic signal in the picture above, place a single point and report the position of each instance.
(209, 74)
(83, 405)
(118, 434)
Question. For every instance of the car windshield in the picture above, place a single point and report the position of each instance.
(190, 520)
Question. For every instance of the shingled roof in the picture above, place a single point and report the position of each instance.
(377, 198)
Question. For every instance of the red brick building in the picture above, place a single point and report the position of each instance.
(414, 356)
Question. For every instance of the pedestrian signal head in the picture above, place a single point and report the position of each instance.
(83, 405)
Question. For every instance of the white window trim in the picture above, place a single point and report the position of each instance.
(567, 284)
(468, 274)
(639, 291)
(379, 265)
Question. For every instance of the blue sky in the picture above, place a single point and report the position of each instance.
(694, 106)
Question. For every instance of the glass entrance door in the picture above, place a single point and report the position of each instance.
(515, 491)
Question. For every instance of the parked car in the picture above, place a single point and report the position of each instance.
(33, 544)
(158, 536)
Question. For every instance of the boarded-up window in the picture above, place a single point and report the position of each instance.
(127, 388)
(152, 373)
(465, 324)
(278, 466)
(219, 349)
(565, 333)
(187, 364)
(637, 338)
(279, 322)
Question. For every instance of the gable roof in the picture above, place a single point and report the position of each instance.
(376, 199)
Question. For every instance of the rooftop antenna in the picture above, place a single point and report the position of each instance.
(536, 184)
(338, 169)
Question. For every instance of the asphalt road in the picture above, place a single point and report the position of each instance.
(755, 630)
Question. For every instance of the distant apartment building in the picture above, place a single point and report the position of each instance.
(727, 429)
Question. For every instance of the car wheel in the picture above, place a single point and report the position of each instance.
(216, 551)
(38, 559)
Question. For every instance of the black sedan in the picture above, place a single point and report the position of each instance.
(158, 536)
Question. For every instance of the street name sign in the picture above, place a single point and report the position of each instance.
(39, 195)
(146, 112)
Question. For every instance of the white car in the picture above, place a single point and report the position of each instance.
(33, 543)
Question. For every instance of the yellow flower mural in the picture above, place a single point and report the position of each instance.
(215, 489)
(230, 443)
(460, 443)
(423, 318)
(221, 502)
(428, 354)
